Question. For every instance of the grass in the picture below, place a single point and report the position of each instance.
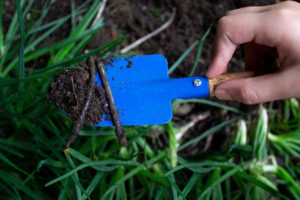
(257, 163)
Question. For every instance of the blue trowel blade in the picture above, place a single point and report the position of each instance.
(142, 89)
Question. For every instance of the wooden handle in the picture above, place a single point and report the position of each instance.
(214, 82)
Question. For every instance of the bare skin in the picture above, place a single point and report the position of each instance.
(275, 29)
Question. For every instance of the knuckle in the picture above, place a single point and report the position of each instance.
(223, 22)
(282, 14)
(248, 95)
(224, 25)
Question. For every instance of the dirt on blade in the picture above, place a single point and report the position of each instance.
(74, 91)
(68, 92)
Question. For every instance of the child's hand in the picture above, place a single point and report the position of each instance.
(264, 30)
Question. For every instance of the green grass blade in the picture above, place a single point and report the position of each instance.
(50, 162)
(204, 101)
(11, 151)
(207, 133)
(193, 166)
(182, 57)
(32, 46)
(21, 145)
(174, 187)
(10, 163)
(191, 183)
(155, 178)
(11, 32)
(22, 42)
(74, 176)
(79, 29)
(97, 133)
(260, 135)
(258, 183)
(200, 51)
(90, 164)
(92, 185)
(38, 27)
(220, 180)
(9, 81)
(1, 32)
(108, 47)
(8, 178)
(133, 172)
(85, 159)
(172, 144)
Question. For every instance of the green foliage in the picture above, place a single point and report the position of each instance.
(33, 132)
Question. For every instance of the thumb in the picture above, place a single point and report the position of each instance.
(258, 89)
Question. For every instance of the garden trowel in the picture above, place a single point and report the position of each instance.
(143, 91)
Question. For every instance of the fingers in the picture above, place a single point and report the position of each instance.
(264, 88)
(238, 29)
(249, 9)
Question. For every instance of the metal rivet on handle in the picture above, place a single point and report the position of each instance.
(197, 82)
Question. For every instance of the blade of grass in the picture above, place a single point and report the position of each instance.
(1, 32)
(10, 163)
(134, 171)
(85, 159)
(207, 133)
(200, 51)
(155, 178)
(92, 185)
(8, 178)
(193, 166)
(191, 183)
(11, 151)
(259, 184)
(32, 46)
(79, 29)
(85, 41)
(220, 180)
(74, 176)
(96, 133)
(38, 27)
(90, 164)
(177, 102)
(182, 57)
(11, 31)
(260, 135)
(174, 187)
(172, 144)
(81, 57)
(22, 42)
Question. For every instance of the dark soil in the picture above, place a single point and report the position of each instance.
(193, 18)
(68, 92)
(74, 92)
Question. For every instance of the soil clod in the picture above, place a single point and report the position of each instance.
(130, 63)
(74, 92)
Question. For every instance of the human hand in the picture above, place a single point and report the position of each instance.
(265, 30)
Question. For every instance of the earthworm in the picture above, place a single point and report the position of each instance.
(78, 122)
(114, 113)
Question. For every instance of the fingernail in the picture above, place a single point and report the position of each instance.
(222, 94)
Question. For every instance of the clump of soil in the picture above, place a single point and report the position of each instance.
(74, 91)
(68, 92)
